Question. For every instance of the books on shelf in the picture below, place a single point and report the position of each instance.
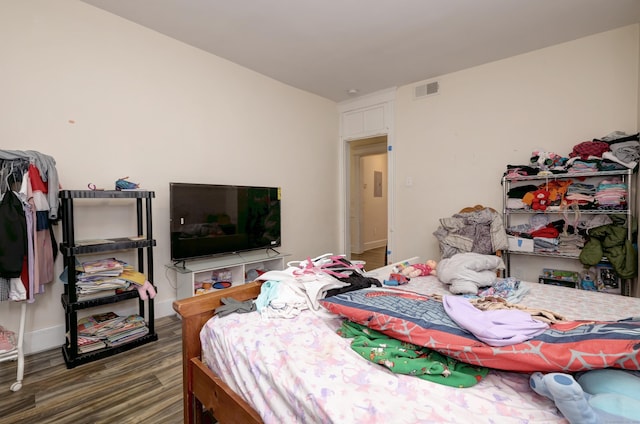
(96, 294)
(89, 344)
(108, 330)
(103, 277)
(103, 265)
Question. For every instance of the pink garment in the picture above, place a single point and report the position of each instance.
(7, 340)
(44, 265)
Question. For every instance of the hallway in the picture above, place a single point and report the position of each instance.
(374, 258)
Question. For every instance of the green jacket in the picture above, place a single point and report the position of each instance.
(611, 242)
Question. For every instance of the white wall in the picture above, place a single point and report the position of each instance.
(108, 98)
(456, 145)
(374, 209)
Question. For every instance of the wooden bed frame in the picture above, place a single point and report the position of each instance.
(202, 388)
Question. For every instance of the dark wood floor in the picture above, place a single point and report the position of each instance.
(143, 385)
(374, 258)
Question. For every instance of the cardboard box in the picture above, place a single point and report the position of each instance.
(519, 244)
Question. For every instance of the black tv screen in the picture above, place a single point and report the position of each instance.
(210, 219)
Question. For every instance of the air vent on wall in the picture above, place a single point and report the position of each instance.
(424, 90)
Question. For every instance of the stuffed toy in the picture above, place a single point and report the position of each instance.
(540, 200)
(419, 270)
(597, 396)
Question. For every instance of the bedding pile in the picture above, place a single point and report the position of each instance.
(300, 371)
(565, 346)
(466, 273)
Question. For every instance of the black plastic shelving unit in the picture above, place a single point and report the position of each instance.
(70, 250)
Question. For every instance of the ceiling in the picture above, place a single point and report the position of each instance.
(330, 47)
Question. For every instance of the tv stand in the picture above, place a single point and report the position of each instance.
(192, 275)
(179, 264)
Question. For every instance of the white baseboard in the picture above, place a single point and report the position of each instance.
(44, 339)
(53, 337)
(374, 244)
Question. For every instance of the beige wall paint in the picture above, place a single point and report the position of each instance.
(108, 98)
(374, 209)
(456, 145)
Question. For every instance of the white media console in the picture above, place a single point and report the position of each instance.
(236, 267)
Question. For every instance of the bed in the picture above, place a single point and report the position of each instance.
(267, 371)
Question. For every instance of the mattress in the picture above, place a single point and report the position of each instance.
(300, 371)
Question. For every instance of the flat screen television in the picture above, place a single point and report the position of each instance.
(212, 219)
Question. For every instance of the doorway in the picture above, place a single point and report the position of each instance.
(368, 200)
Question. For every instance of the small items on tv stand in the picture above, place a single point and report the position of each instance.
(223, 271)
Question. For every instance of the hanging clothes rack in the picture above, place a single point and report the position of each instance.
(17, 353)
(7, 181)
(14, 166)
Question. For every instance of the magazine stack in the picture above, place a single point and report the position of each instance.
(109, 330)
(104, 277)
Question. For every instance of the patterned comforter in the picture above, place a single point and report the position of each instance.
(568, 346)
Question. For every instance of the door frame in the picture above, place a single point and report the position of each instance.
(366, 117)
(357, 150)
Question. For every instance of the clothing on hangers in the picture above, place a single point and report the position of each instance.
(47, 168)
(11, 173)
(13, 235)
(28, 182)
